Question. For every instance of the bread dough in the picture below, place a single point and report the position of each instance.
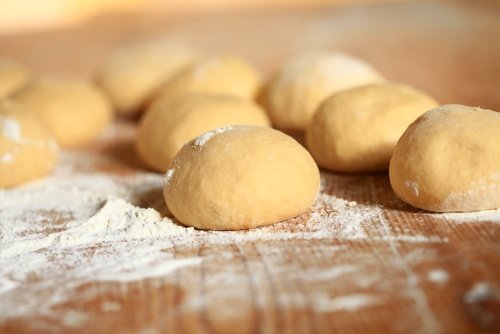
(293, 96)
(132, 75)
(27, 150)
(449, 160)
(74, 111)
(240, 177)
(228, 75)
(12, 77)
(169, 125)
(356, 130)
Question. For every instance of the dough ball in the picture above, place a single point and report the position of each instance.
(226, 75)
(132, 75)
(356, 130)
(27, 149)
(449, 160)
(240, 177)
(295, 93)
(12, 77)
(75, 112)
(170, 124)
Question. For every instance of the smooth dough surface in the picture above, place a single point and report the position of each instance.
(448, 160)
(75, 112)
(167, 126)
(356, 130)
(131, 76)
(228, 75)
(240, 177)
(12, 77)
(27, 150)
(296, 91)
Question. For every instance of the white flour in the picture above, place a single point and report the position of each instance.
(80, 226)
(344, 303)
(205, 137)
(168, 175)
(438, 276)
(11, 129)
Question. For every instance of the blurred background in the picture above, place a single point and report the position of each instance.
(448, 48)
(26, 15)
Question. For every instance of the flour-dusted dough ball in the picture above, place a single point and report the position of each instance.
(12, 77)
(132, 75)
(356, 130)
(27, 149)
(449, 160)
(169, 125)
(74, 111)
(296, 91)
(227, 75)
(240, 177)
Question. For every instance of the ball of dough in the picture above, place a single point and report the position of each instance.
(12, 77)
(75, 112)
(169, 125)
(132, 75)
(297, 90)
(228, 75)
(27, 149)
(356, 130)
(449, 160)
(240, 177)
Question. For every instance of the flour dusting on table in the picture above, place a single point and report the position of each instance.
(83, 225)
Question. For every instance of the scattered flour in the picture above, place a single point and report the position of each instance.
(413, 186)
(11, 129)
(438, 276)
(111, 306)
(204, 138)
(482, 291)
(477, 195)
(168, 175)
(464, 217)
(75, 319)
(328, 274)
(345, 303)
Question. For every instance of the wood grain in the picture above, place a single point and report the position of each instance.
(449, 49)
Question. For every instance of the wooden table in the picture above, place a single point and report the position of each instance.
(379, 266)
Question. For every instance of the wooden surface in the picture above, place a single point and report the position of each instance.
(302, 285)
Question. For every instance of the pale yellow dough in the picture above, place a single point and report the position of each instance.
(132, 75)
(74, 111)
(356, 130)
(169, 125)
(12, 77)
(240, 177)
(228, 75)
(27, 150)
(296, 91)
(449, 160)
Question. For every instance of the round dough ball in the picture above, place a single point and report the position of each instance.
(449, 160)
(297, 90)
(75, 112)
(12, 77)
(240, 177)
(356, 130)
(169, 125)
(27, 149)
(226, 75)
(132, 75)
